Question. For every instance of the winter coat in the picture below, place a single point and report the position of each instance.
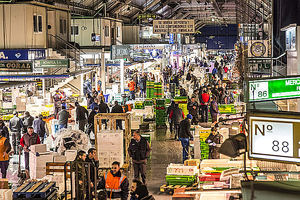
(176, 115)
(139, 151)
(103, 108)
(39, 127)
(81, 113)
(15, 124)
(185, 129)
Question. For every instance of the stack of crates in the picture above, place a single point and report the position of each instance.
(150, 89)
(139, 105)
(182, 103)
(158, 90)
(148, 102)
(204, 147)
(160, 111)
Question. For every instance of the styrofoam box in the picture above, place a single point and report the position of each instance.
(59, 158)
(6, 194)
(40, 148)
(180, 169)
(70, 155)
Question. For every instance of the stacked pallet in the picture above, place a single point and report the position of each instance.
(160, 111)
(204, 133)
(178, 174)
(110, 147)
(158, 92)
(150, 89)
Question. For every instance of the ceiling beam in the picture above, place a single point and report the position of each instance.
(153, 3)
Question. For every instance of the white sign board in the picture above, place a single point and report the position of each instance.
(273, 138)
(173, 26)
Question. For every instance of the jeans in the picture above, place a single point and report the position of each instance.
(61, 126)
(16, 137)
(132, 95)
(4, 167)
(204, 113)
(185, 142)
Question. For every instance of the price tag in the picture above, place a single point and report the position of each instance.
(258, 90)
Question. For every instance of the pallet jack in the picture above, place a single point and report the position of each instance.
(23, 175)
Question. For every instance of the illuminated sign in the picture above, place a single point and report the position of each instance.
(16, 67)
(274, 89)
(274, 137)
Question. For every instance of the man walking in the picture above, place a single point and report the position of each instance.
(103, 108)
(139, 151)
(28, 139)
(15, 126)
(63, 117)
(117, 109)
(4, 130)
(214, 110)
(184, 135)
(176, 116)
(115, 183)
(92, 158)
(81, 116)
(131, 86)
(27, 121)
(39, 127)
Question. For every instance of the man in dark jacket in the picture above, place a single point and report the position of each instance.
(39, 126)
(91, 120)
(92, 158)
(81, 116)
(28, 139)
(4, 130)
(103, 108)
(27, 121)
(117, 109)
(214, 141)
(139, 151)
(176, 116)
(214, 110)
(184, 135)
(15, 126)
(81, 178)
(170, 108)
(115, 183)
(63, 117)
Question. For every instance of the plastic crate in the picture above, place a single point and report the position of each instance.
(180, 180)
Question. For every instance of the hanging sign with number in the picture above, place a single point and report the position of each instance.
(274, 89)
(274, 137)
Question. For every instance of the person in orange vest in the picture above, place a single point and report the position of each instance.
(5, 148)
(115, 183)
(131, 86)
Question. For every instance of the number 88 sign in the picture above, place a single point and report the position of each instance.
(274, 138)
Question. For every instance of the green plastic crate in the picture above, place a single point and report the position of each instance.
(180, 180)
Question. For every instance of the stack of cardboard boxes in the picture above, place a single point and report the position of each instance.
(110, 147)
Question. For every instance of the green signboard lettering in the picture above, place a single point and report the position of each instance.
(274, 89)
(64, 63)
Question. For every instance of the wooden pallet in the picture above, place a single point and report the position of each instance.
(169, 189)
(35, 190)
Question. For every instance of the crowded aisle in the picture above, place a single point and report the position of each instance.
(149, 100)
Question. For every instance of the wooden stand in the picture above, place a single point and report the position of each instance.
(112, 117)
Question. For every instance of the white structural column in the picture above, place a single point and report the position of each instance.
(122, 75)
(102, 71)
(81, 84)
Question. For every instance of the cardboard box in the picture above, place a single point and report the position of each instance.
(6, 194)
(70, 155)
(59, 158)
(40, 148)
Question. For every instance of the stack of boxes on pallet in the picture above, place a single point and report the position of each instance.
(110, 147)
(161, 114)
(179, 174)
(150, 89)
(158, 90)
(39, 156)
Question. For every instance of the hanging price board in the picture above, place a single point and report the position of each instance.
(274, 137)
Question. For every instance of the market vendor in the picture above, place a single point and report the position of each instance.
(115, 183)
(214, 141)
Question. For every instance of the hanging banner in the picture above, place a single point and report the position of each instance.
(53, 63)
(16, 67)
(173, 26)
(274, 136)
(22, 54)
